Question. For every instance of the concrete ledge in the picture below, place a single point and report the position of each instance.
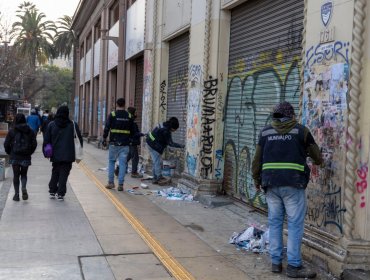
(214, 201)
(356, 274)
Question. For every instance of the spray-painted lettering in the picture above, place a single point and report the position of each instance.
(163, 97)
(208, 118)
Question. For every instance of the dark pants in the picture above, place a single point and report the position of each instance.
(19, 171)
(134, 155)
(59, 177)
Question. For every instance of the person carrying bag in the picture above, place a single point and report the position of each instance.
(61, 134)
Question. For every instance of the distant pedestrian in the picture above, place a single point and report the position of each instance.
(279, 167)
(44, 116)
(33, 121)
(157, 141)
(60, 134)
(20, 144)
(46, 122)
(120, 128)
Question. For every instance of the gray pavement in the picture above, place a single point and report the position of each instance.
(85, 237)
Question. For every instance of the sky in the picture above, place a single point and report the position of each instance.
(53, 9)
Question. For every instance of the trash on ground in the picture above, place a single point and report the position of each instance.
(143, 186)
(173, 193)
(251, 239)
(147, 178)
(103, 169)
(134, 188)
(134, 192)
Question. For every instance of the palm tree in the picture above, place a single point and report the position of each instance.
(33, 35)
(65, 38)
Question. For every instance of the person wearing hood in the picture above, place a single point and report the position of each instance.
(33, 121)
(279, 167)
(20, 143)
(60, 134)
(157, 141)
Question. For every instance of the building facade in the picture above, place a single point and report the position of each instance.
(220, 66)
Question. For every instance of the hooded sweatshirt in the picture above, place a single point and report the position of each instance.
(60, 134)
(9, 140)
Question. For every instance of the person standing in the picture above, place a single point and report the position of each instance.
(157, 141)
(120, 128)
(33, 121)
(279, 167)
(134, 150)
(46, 122)
(20, 143)
(60, 134)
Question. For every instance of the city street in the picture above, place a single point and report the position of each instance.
(99, 234)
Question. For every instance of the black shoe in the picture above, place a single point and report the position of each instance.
(299, 272)
(277, 268)
(60, 197)
(16, 197)
(24, 195)
(116, 171)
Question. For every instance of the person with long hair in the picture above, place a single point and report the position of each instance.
(20, 143)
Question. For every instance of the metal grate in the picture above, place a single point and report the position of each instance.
(264, 68)
(177, 84)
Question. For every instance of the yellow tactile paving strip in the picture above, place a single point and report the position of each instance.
(171, 264)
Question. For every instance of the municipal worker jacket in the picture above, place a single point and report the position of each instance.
(160, 138)
(120, 127)
(281, 153)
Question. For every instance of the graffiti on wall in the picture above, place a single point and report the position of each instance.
(218, 164)
(147, 91)
(192, 124)
(207, 130)
(362, 173)
(256, 83)
(163, 97)
(323, 53)
(324, 112)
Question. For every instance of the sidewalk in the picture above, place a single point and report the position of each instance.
(213, 226)
(86, 237)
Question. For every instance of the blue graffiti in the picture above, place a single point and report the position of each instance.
(218, 169)
(325, 52)
(191, 162)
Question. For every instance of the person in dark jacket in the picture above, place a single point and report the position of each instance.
(45, 123)
(120, 127)
(60, 134)
(134, 150)
(279, 167)
(33, 121)
(157, 141)
(20, 143)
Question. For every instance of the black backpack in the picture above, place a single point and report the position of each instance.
(22, 144)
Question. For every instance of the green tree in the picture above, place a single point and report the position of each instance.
(57, 87)
(65, 37)
(33, 35)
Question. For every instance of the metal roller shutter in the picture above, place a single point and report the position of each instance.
(177, 83)
(264, 68)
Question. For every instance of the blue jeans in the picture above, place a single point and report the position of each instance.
(120, 153)
(157, 163)
(292, 202)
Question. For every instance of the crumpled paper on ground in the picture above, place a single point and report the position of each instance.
(251, 239)
(173, 193)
